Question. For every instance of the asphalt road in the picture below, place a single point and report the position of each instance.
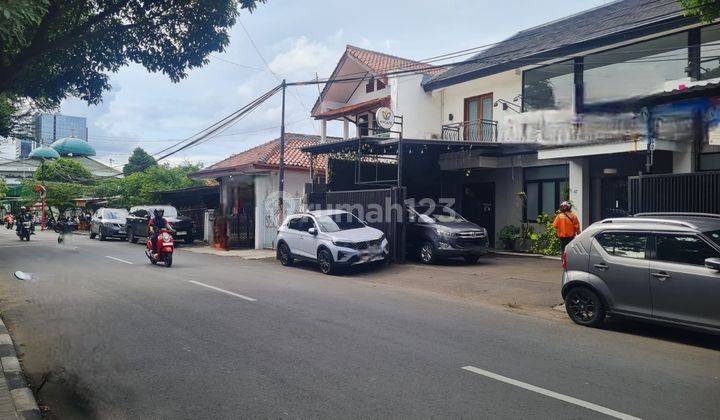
(114, 337)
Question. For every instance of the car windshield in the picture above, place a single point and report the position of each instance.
(714, 235)
(440, 214)
(169, 211)
(115, 214)
(339, 221)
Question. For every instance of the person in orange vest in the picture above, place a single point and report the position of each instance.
(566, 225)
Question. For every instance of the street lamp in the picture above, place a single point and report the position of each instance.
(41, 154)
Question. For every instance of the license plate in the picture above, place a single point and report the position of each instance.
(182, 232)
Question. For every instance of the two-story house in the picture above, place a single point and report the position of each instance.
(573, 107)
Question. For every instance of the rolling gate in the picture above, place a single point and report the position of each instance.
(390, 200)
(697, 192)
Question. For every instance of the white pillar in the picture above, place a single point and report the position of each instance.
(579, 185)
(346, 130)
(323, 130)
(683, 161)
(260, 197)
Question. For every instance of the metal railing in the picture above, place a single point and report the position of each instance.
(476, 130)
(697, 192)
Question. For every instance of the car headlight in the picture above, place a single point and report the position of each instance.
(344, 244)
(444, 233)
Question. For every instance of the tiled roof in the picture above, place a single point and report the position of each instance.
(618, 21)
(381, 63)
(267, 155)
(354, 109)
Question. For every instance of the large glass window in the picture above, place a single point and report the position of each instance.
(636, 70)
(710, 52)
(629, 245)
(683, 249)
(549, 87)
(546, 187)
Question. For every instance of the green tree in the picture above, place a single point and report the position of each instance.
(50, 49)
(138, 162)
(64, 170)
(59, 194)
(706, 10)
(3, 189)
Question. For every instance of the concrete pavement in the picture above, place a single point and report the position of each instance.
(119, 338)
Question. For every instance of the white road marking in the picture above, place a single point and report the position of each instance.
(223, 291)
(118, 259)
(548, 393)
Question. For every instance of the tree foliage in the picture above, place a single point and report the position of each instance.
(64, 170)
(138, 162)
(50, 49)
(59, 194)
(706, 10)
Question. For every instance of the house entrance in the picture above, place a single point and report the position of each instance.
(478, 206)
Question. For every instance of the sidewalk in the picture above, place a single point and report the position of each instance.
(246, 254)
(16, 399)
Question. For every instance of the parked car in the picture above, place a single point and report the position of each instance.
(659, 267)
(332, 238)
(441, 232)
(108, 223)
(137, 223)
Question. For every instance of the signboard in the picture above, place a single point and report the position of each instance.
(385, 118)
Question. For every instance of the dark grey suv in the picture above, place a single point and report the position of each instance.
(660, 267)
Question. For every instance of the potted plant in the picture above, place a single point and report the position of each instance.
(509, 236)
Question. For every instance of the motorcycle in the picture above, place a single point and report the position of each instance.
(26, 229)
(165, 246)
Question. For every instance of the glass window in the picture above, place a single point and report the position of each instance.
(548, 197)
(546, 172)
(440, 214)
(630, 245)
(380, 84)
(370, 86)
(714, 235)
(635, 70)
(549, 87)
(306, 223)
(710, 52)
(533, 200)
(683, 249)
(294, 224)
(710, 162)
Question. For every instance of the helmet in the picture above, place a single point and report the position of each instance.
(159, 212)
(23, 208)
(565, 206)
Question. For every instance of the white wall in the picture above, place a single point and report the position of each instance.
(420, 112)
(266, 214)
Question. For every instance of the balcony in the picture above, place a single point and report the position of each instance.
(485, 131)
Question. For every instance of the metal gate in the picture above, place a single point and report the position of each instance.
(388, 201)
(697, 192)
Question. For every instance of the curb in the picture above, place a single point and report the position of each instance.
(25, 404)
(525, 254)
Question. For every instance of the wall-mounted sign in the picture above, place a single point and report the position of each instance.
(385, 118)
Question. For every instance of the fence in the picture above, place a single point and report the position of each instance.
(389, 201)
(697, 192)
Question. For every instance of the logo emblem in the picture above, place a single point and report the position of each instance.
(385, 118)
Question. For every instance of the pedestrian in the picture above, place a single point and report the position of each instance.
(566, 225)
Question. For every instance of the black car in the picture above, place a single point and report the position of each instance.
(439, 232)
(137, 223)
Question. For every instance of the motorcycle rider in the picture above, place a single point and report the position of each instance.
(24, 216)
(155, 225)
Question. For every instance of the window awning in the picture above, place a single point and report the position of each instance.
(353, 109)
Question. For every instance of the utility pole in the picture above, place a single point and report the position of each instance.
(281, 187)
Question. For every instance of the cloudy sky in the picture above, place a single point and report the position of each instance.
(298, 40)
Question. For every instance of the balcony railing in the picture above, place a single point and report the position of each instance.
(477, 130)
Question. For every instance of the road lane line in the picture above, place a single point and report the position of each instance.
(118, 259)
(223, 291)
(548, 393)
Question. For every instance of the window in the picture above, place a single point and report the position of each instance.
(306, 223)
(363, 125)
(380, 84)
(370, 86)
(710, 52)
(294, 224)
(620, 244)
(710, 162)
(714, 235)
(644, 69)
(683, 249)
(546, 187)
(549, 87)
(339, 221)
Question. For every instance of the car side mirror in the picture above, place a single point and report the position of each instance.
(312, 231)
(713, 263)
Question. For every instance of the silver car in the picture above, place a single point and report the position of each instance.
(659, 267)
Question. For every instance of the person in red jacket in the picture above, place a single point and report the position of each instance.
(566, 225)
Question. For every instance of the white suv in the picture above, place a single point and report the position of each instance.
(332, 238)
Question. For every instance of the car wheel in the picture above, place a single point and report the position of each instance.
(102, 236)
(284, 255)
(325, 261)
(584, 307)
(427, 253)
(131, 237)
(471, 259)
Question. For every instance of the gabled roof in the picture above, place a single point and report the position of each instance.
(602, 26)
(354, 109)
(267, 156)
(376, 63)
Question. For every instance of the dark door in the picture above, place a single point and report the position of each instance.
(613, 197)
(478, 206)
